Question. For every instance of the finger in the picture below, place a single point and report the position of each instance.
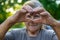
(23, 11)
(44, 14)
(28, 8)
(39, 9)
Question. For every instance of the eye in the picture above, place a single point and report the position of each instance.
(37, 16)
(29, 16)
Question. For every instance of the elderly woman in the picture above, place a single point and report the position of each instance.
(35, 17)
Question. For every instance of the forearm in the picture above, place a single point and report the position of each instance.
(57, 29)
(4, 27)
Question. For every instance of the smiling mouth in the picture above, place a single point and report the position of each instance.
(31, 24)
(34, 24)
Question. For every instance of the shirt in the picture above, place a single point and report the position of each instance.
(21, 34)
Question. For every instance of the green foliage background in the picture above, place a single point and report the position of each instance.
(50, 5)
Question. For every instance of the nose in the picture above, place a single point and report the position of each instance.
(32, 20)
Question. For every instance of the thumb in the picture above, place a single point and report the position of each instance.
(44, 14)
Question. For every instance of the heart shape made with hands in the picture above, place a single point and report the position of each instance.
(45, 16)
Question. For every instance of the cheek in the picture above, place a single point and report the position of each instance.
(26, 24)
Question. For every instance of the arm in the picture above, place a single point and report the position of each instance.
(56, 28)
(8, 23)
(46, 18)
(17, 17)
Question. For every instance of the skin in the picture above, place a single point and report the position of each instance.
(32, 27)
(33, 22)
(46, 18)
(17, 17)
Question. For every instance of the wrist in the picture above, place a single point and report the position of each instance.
(55, 23)
(11, 20)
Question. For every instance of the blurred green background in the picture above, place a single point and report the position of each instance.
(9, 7)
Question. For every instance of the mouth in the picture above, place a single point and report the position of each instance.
(34, 27)
(36, 24)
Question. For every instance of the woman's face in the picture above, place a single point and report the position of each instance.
(31, 24)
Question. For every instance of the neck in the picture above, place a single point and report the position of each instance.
(33, 34)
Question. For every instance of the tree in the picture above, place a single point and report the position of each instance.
(52, 7)
(9, 4)
(4, 5)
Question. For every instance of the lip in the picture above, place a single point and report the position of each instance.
(35, 25)
(32, 27)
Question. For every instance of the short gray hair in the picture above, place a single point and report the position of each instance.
(33, 3)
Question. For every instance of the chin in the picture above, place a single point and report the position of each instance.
(33, 30)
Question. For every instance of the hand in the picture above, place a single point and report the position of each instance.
(28, 9)
(45, 17)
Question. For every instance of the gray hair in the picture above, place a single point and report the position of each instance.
(34, 3)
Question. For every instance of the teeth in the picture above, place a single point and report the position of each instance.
(33, 24)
